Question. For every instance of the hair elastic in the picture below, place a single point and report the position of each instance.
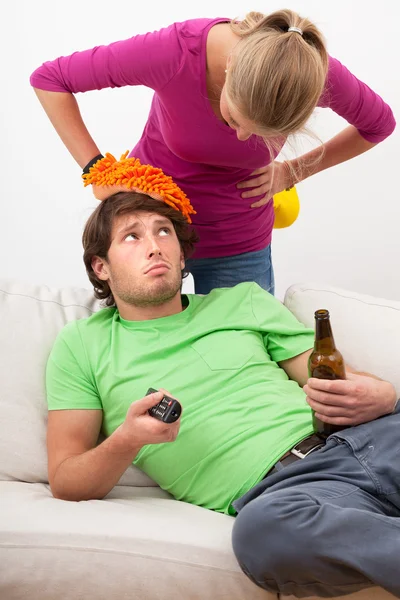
(296, 29)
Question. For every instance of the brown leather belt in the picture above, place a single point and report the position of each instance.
(301, 450)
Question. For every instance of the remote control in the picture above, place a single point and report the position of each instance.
(168, 410)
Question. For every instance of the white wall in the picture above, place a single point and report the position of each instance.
(348, 230)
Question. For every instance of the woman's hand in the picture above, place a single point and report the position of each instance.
(271, 179)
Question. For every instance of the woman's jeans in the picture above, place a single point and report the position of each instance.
(329, 524)
(228, 271)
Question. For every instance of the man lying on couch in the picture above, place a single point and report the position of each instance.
(327, 524)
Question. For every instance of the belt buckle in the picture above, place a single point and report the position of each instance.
(300, 454)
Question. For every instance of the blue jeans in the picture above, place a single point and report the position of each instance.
(228, 271)
(329, 524)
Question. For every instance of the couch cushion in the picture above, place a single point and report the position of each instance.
(366, 328)
(136, 543)
(30, 319)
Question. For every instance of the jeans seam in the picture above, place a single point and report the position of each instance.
(371, 475)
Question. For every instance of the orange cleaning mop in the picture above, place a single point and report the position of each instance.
(130, 173)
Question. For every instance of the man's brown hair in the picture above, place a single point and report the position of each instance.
(96, 238)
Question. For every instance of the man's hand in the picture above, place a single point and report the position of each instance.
(357, 399)
(140, 429)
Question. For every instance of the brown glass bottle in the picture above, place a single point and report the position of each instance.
(325, 362)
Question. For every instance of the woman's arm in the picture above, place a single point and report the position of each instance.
(64, 114)
(150, 60)
(370, 121)
(345, 145)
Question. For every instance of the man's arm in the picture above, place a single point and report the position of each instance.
(360, 398)
(80, 470)
(297, 367)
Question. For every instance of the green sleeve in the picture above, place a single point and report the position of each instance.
(69, 381)
(284, 336)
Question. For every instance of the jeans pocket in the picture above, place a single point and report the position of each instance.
(376, 445)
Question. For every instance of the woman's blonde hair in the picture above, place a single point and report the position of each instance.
(275, 77)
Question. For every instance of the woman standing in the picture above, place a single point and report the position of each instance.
(227, 96)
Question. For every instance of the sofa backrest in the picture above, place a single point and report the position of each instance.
(366, 328)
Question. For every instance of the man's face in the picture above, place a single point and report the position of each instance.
(144, 262)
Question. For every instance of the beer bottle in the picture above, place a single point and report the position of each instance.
(325, 362)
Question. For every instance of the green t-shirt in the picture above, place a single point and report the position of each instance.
(219, 357)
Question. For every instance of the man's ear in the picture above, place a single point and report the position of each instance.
(100, 268)
(182, 261)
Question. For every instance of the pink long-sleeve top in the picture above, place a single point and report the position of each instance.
(185, 138)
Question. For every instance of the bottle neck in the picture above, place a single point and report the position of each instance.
(323, 335)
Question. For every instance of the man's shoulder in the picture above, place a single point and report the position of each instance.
(91, 326)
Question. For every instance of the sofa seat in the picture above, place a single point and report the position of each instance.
(136, 543)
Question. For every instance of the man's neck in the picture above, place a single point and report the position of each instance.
(147, 313)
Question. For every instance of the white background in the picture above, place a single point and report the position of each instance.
(348, 230)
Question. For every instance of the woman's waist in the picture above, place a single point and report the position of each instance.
(233, 234)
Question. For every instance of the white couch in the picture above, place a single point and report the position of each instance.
(138, 543)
